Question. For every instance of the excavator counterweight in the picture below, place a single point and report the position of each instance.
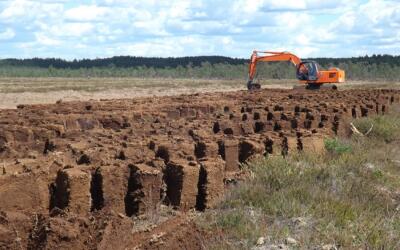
(307, 72)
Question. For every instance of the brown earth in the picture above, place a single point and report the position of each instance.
(103, 174)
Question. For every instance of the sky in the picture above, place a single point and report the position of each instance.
(104, 28)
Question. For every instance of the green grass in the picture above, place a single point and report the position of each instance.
(348, 197)
(385, 127)
(335, 146)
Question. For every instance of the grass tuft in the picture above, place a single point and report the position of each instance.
(336, 146)
(385, 127)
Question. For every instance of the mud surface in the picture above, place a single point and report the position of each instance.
(104, 174)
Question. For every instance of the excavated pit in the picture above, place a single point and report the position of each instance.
(109, 160)
(96, 191)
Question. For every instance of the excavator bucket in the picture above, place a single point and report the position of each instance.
(253, 86)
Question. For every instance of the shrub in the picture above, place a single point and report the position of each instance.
(337, 147)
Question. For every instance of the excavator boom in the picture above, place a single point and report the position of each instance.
(307, 72)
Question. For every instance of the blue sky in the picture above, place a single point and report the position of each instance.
(104, 28)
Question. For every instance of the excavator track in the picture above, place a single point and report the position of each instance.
(311, 86)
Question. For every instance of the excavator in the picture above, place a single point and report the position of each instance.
(307, 72)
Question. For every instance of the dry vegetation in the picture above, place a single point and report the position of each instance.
(48, 84)
(14, 91)
(92, 85)
(348, 197)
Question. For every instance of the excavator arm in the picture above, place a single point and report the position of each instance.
(269, 56)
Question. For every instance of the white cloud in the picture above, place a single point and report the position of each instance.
(371, 28)
(86, 13)
(7, 34)
(42, 39)
(23, 10)
(72, 29)
(67, 28)
(17, 8)
(252, 6)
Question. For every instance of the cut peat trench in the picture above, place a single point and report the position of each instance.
(129, 156)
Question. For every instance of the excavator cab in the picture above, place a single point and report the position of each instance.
(307, 71)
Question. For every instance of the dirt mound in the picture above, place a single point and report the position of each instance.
(79, 174)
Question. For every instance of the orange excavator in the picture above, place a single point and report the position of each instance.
(307, 72)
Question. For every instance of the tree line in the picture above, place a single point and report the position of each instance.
(121, 62)
(373, 67)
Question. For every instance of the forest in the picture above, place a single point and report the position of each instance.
(375, 67)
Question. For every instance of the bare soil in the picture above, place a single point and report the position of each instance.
(126, 173)
(15, 91)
